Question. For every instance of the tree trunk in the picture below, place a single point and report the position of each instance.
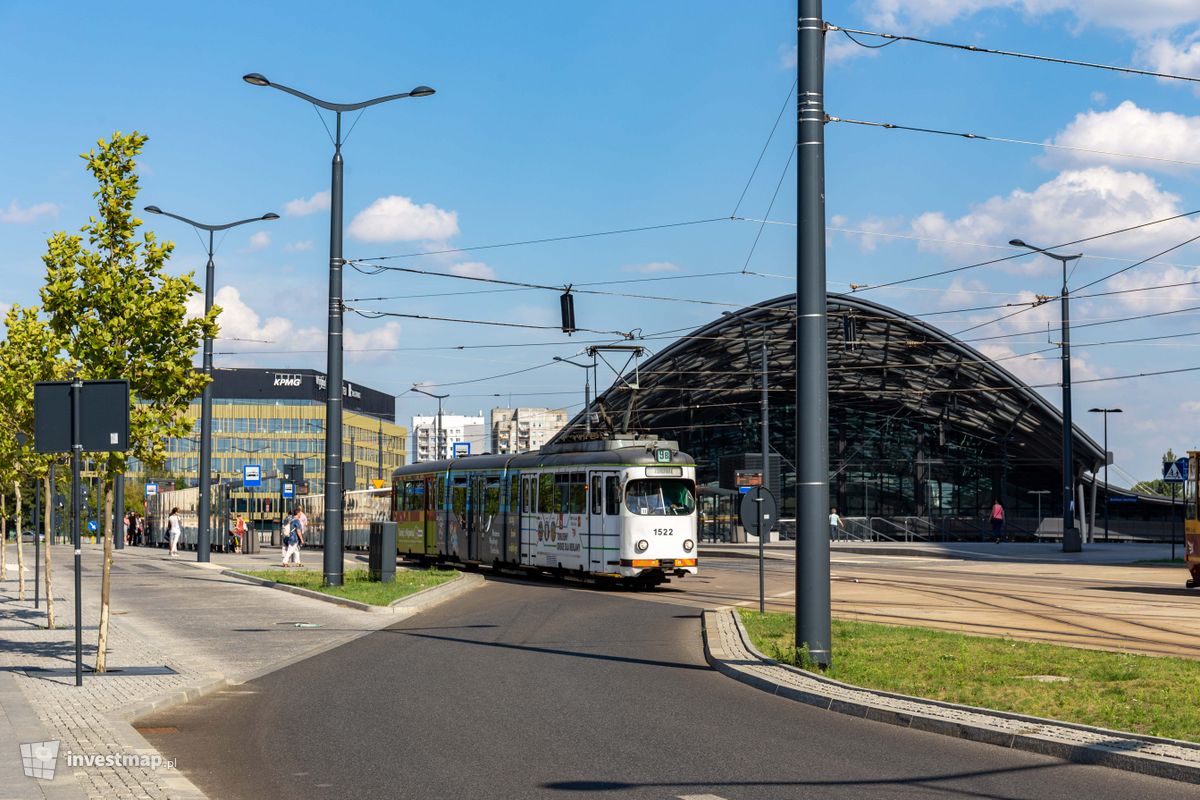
(102, 641)
(3, 538)
(46, 524)
(20, 551)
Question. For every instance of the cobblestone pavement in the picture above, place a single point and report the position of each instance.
(178, 629)
(728, 649)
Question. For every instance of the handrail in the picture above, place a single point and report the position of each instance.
(857, 528)
(916, 522)
(877, 535)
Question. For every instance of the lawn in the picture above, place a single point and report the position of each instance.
(356, 585)
(1150, 695)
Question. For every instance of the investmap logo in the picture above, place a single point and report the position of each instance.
(39, 759)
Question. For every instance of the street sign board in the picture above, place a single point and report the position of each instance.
(460, 449)
(1175, 471)
(758, 504)
(92, 525)
(378, 483)
(151, 489)
(745, 489)
(103, 416)
(251, 475)
(289, 489)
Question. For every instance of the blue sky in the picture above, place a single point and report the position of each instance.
(559, 118)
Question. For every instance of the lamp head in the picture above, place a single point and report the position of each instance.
(1019, 243)
(256, 79)
(270, 215)
(153, 209)
(420, 91)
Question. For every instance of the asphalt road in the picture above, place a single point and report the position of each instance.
(523, 689)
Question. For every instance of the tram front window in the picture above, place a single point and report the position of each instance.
(660, 497)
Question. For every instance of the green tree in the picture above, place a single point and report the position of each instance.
(122, 316)
(31, 352)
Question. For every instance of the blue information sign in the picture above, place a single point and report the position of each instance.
(1175, 471)
(252, 475)
(151, 489)
(289, 490)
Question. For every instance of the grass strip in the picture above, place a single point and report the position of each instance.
(357, 586)
(1150, 695)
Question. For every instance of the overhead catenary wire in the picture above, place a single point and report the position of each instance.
(766, 144)
(1007, 140)
(1010, 53)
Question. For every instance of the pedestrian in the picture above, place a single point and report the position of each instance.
(283, 537)
(141, 530)
(239, 533)
(997, 521)
(174, 531)
(835, 525)
(293, 539)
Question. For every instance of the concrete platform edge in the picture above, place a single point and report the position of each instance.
(1118, 749)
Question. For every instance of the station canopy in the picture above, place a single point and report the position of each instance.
(920, 417)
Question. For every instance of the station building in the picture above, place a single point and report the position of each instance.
(924, 430)
(273, 417)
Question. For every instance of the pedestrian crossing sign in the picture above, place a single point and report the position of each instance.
(1175, 471)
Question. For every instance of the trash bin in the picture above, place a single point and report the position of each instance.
(381, 552)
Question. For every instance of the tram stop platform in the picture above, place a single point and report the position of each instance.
(1033, 552)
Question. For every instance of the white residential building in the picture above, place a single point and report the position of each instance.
(519, 430)
(455, 428)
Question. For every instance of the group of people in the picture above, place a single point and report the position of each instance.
(293, 536)
(135, 528)
(837, 527)
(292, 540)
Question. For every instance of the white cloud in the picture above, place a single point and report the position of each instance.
(961, 293)
(302, 207)
(1152, 300)
(1099, 98)
(652, 267)
(381, 337)
(788, 56)
(473, 269)
(1073, 205)
(1162, 54)
(241, 322)
(866, 242)
(398, 219)
(1190, 405)
(302, 246)
(18, 215)
(1134, 130)
(259, 241)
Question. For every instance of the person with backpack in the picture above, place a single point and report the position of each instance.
(293, 539)
(997, 521)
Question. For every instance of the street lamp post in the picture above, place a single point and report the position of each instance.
(333, 403)
(437, 442)
(587, 391)
(203, 540)
(1105, 412)
(1070, 544)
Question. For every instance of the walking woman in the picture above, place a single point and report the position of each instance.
(174, 530)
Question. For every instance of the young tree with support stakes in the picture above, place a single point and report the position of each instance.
(122, 316)
(31, 352)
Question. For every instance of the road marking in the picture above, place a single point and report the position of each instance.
(788, 593)
(699, 797)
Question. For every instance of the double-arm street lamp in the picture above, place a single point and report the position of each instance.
(1105, 412)
(1070, 544)
(437, 442)
(587, 390)
(333, 403)
(203, 539)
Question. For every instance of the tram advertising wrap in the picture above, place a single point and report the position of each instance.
(622, 508)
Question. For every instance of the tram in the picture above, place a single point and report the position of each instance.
(1191, 522)
(622, 508)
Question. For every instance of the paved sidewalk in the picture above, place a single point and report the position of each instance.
(728, 649)
(179, 629)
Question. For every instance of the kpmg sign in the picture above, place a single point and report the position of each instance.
(255, 385)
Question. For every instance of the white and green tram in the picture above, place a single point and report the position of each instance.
(622, 508)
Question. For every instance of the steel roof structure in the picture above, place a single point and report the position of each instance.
(905, 398)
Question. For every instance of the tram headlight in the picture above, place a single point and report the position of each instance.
(642, 545)
(688, 544)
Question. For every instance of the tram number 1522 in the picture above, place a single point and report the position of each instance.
(664, 531)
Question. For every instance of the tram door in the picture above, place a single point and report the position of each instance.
(430, 515)
(602, 524)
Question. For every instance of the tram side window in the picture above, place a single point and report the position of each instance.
(597, 495)
(577, 493)
(458, 497)
(414, 496)
(612, 495)
(549, 497)
(514, 494)
(527, 485)
(491, 497)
